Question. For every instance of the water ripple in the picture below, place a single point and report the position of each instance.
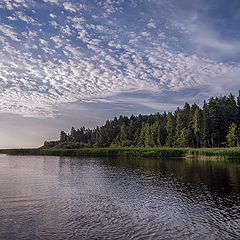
(67, 198)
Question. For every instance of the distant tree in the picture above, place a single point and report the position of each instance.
(148, 138)
(180, 125)
(204, 128)
(132, 131)
(155, 130)
(238, 109)
(99, 138)
(232, 135)
(170, 127)
(123, 134)
(63, 136)
(191, 126)
(197, 127)
(73, 134)
(142, 136)
(184, 138)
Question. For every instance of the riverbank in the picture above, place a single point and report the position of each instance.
(225, 153)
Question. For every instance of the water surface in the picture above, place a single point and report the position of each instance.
(46, 197)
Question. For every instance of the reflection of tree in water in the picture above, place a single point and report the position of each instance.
(217, 182)
(195, 190)
(221, 179)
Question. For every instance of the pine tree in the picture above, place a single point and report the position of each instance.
(73, 134)
(232, 135)
(209, 126)
(170, 127)
(204, 129)
(155, 134)
(197, 126)
(180, 124)
(123, 135)
(63, 136)
(141, 137)
(184, 138)
(99, 140)
(147, 137)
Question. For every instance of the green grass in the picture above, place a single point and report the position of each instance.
(228, 153)
(215, 152)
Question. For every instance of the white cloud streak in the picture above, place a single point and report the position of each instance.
(9, 32)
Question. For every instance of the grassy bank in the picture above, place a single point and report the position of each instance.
(101, 152)
(226, 153)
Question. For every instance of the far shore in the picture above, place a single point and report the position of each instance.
(205, 153)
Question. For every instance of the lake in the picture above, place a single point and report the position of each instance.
(47, 197)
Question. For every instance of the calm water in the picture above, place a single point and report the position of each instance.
(70, 198)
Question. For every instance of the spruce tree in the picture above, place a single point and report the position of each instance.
(232, 135)
(170, 127)
(63, 136)
(197, 127)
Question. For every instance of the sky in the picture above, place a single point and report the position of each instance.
(70, 63)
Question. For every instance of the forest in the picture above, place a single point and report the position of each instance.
(215, 124)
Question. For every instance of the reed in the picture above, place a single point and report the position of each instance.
(131, 152)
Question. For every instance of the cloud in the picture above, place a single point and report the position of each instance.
(11, 18)
(58, 41)
(9, 32)
(52, 1)
(14, 4)
(66, 30)
(75, 51)
(208, 40)
(205, 30)
(70, 6)
(58, 57)
(25, 18)
(52, 15)
(151, 24)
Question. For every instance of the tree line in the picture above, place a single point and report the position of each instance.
(215, 124)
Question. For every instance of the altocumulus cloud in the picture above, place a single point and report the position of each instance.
(54, 52)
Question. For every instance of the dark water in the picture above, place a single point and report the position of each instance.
(69, 198)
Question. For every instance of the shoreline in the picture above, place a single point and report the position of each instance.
(189, 153)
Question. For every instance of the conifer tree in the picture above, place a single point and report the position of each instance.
(141, 137)
(212, 125)
(147, 136)
(123, 135)
(232, 135)
(63, 136)
(73, 134)
(184, 138)
(197, 126)
(170, 127)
